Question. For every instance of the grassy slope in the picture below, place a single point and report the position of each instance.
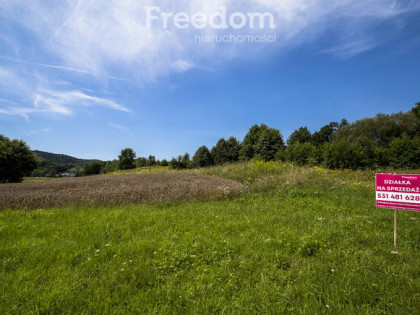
(314, 241)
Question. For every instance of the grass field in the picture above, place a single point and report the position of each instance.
(299, 240)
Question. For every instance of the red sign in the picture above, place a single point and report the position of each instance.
(398, 191)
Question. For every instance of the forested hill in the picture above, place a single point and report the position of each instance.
(60, 158)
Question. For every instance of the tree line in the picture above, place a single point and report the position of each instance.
(386, 140)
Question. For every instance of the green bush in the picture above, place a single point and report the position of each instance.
(342, 154)
(404, 152)
(302, 153)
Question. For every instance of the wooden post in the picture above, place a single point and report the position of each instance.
(395, 228)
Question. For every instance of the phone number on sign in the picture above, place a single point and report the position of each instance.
(410, 198)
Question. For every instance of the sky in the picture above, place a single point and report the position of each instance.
(89, 78)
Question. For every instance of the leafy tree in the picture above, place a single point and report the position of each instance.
(164, 162)
(380, 130)
(16, 160)
(151, 160)
(261, 142)
(247, 151)
(226, 151)
(404, 152)
(111, 166)
(302, 153)
(52, 173)
(324, 134)
(416, 110)
(344, 122)
(127, 159)
(93, 168)
(182, 162)
(301, 135)
(202, 157)
(186, 160)
(141, 162)
(269, 142)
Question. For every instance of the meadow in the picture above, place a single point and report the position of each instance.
(293, 239)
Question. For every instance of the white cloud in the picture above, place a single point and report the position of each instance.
(103, 37)
(61, 103)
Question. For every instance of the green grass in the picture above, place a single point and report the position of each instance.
(314, 243)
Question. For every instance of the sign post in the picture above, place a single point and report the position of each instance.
(398, 192)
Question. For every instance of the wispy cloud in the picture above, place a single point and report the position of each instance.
(121, 128)
(61, 103)
(63, 68)
(101, 38)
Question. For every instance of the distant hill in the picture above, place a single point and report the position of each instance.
(60, 158)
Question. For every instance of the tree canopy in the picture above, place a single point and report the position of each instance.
(16, 160)
(127, 159)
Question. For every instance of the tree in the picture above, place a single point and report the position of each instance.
(261, 142)
(269, 142)
(151, 160)
(404, 152)
(301, 135)
(226, 151)
(16, 160)
(127, 159)
(247, 151)
(93, 168)
(141, 162)
(302, 153)
(380, 130)
(202, 157)
(324, 134)
(182, 162)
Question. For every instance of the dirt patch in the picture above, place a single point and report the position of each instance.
(115, 190)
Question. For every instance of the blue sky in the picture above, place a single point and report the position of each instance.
(88, 78)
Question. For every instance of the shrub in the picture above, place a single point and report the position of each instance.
(404, 152)
(343, 154)
(302, 153)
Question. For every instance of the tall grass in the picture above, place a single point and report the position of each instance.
(314, 243)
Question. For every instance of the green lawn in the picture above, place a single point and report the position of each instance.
(309, 247)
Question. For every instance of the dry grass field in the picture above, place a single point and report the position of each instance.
(115, 190)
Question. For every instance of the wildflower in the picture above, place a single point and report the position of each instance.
(114, 256)
(89, 258)
(106, 245)
(413, 218)
(327, 306)
(394, 252)
(332, 270)
(97, 251)
(320, 219)
(122, 269)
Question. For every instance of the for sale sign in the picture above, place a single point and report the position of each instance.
(400, 192)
